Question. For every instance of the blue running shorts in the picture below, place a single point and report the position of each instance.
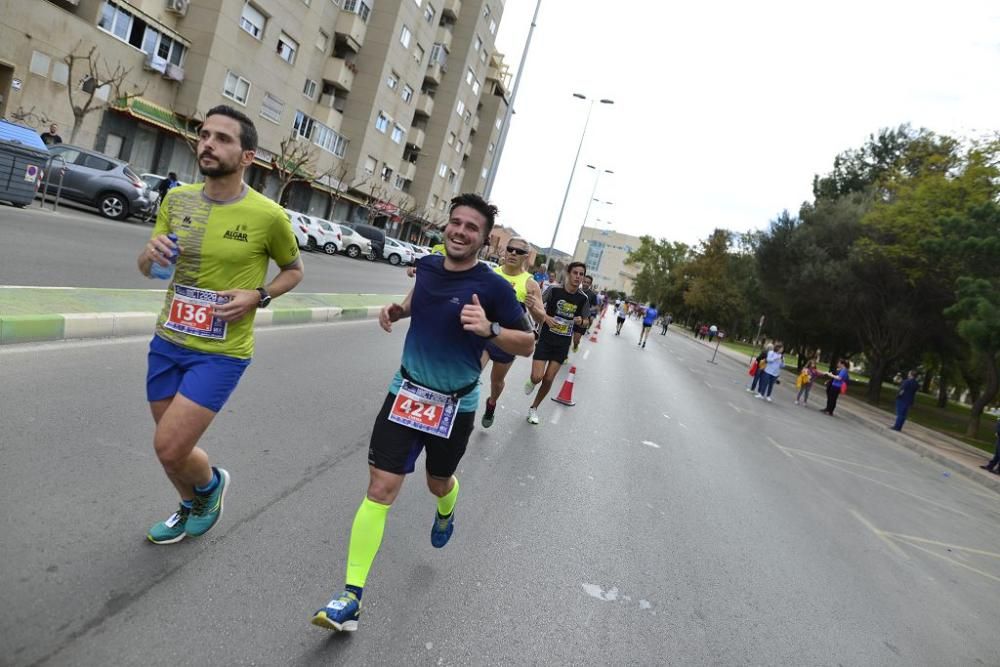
(205, 378)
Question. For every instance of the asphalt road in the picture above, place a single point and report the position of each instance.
(73, 248)
(667, 518)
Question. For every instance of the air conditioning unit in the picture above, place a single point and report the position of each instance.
(178, 7)
(174, 73)
(155, 63)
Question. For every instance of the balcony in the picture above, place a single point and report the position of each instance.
(351, 29)
(330, 111)
(451, 9)
(424, 106)
(415, 137)
(475, 123)
(444, 37)
(434, 73)
(340, 73)
(407, 170)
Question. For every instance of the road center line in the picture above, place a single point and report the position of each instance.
(951, 560)
(911, 538)
(803, 452)
(555, 417)
(780, 448)
(586, 353)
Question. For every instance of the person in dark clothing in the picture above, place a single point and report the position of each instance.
(904, 399)
(166, 184)
(837, 384)
(994, 465)
(51, 138)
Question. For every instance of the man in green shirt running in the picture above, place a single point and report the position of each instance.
(226, 233)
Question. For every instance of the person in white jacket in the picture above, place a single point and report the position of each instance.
(775, 362)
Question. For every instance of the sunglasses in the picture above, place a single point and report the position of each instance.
(517, 251)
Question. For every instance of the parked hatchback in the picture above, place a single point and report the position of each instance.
(320, 234)
(95, 179)
(397, 252)
(355, 245)
(373, 234)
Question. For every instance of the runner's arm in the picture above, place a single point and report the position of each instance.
(394, 311)
(157, 249)
(244, 301)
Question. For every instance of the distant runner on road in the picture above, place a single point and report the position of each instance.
(648, 318)
(456, 305)
(204, 336)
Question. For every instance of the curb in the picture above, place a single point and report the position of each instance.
(912, 443)
(16, 329)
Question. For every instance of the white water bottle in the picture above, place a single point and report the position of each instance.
(157, 270)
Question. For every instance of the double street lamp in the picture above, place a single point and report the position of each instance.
(572, 172)
(597, 179)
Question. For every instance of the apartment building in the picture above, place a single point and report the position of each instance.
(356, 83)
(604, 252)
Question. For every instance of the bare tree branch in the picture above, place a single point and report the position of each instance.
(83, 97)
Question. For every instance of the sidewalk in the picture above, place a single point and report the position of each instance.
(940, 448)
(36, 314)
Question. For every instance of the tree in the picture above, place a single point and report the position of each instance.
(712, 293)
(99, 85)
(661, 278)
(296, 163)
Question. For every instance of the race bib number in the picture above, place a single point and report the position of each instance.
(424, 409)
(562, 326)
(191, 312)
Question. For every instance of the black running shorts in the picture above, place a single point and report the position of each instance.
(548, 350)
(394, 448)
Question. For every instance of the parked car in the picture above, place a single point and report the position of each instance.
(397, 252)
(299, 228)
(373, 234)
(153, 181)
(418, 251)
(355, 245)
(318, 236)
(95, 179)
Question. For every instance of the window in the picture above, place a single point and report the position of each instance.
(404, 37)
(400, 182)
(438, 54)
(40, 63)
(386, 173)
(382, 122)
(329, 140)
(478, 43)
(359, 7)
(429, 13)
(323, 41)
(94, 162)
(136, 32)
(460, 108)
(434, 201)
(287, 48)
(483, 56)
(499, 122)
(475, 87)
(443, 170)
(271, 108)
(397, 134)
(451, 138)
(309, 90)
(418, 54)
(392, 80)
(303, 125)
(444, 204)
(418, 2)
(459, 146)
(489, 149)
(60, 72)
(370, 165)
(236, 88)
(486, 11)
(407, 94)
(253, 21)
(493, 27)
(485, 172)
(470, 76)
(451, 175)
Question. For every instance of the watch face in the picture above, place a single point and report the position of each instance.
(495, 328)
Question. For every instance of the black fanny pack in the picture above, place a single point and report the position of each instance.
(464, 391)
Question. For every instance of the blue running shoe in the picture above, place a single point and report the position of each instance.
(207, 509)
(340, 614)
(442, 529)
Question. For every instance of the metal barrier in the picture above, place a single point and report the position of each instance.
(48, 180)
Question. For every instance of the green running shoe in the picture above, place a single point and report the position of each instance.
(488, 414)
(207, 509)
(172, 530)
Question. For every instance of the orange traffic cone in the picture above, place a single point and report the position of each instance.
(566, 393)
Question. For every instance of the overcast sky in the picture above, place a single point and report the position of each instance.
(725, 110)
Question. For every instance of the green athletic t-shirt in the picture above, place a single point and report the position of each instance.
(223, 247)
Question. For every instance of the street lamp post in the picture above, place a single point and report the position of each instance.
(569, 184)
(597, 179)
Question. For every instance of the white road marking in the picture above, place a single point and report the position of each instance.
(911, 538)
(555, 417)
(780, 448)
(666, 415)
(880, 535)
(951, 560)
(707, 384)
(681, 425)
(735, 408)
(586, 353)
(650, 443)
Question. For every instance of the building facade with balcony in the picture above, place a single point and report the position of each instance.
(356, 82)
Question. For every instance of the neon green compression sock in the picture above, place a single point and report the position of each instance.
(446, 503)
(366, 537)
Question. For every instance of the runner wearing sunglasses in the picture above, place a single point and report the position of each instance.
(528, 292)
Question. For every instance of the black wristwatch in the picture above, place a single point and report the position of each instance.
(494, 330)
(265, 298)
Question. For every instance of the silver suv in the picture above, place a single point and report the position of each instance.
(95, 179)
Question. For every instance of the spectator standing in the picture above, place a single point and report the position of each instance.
(775, 361)
(905, 398)
(712, 331)
(994, 465)
(836, 386)
(51, 138)
(804, 382)
(759, 370)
